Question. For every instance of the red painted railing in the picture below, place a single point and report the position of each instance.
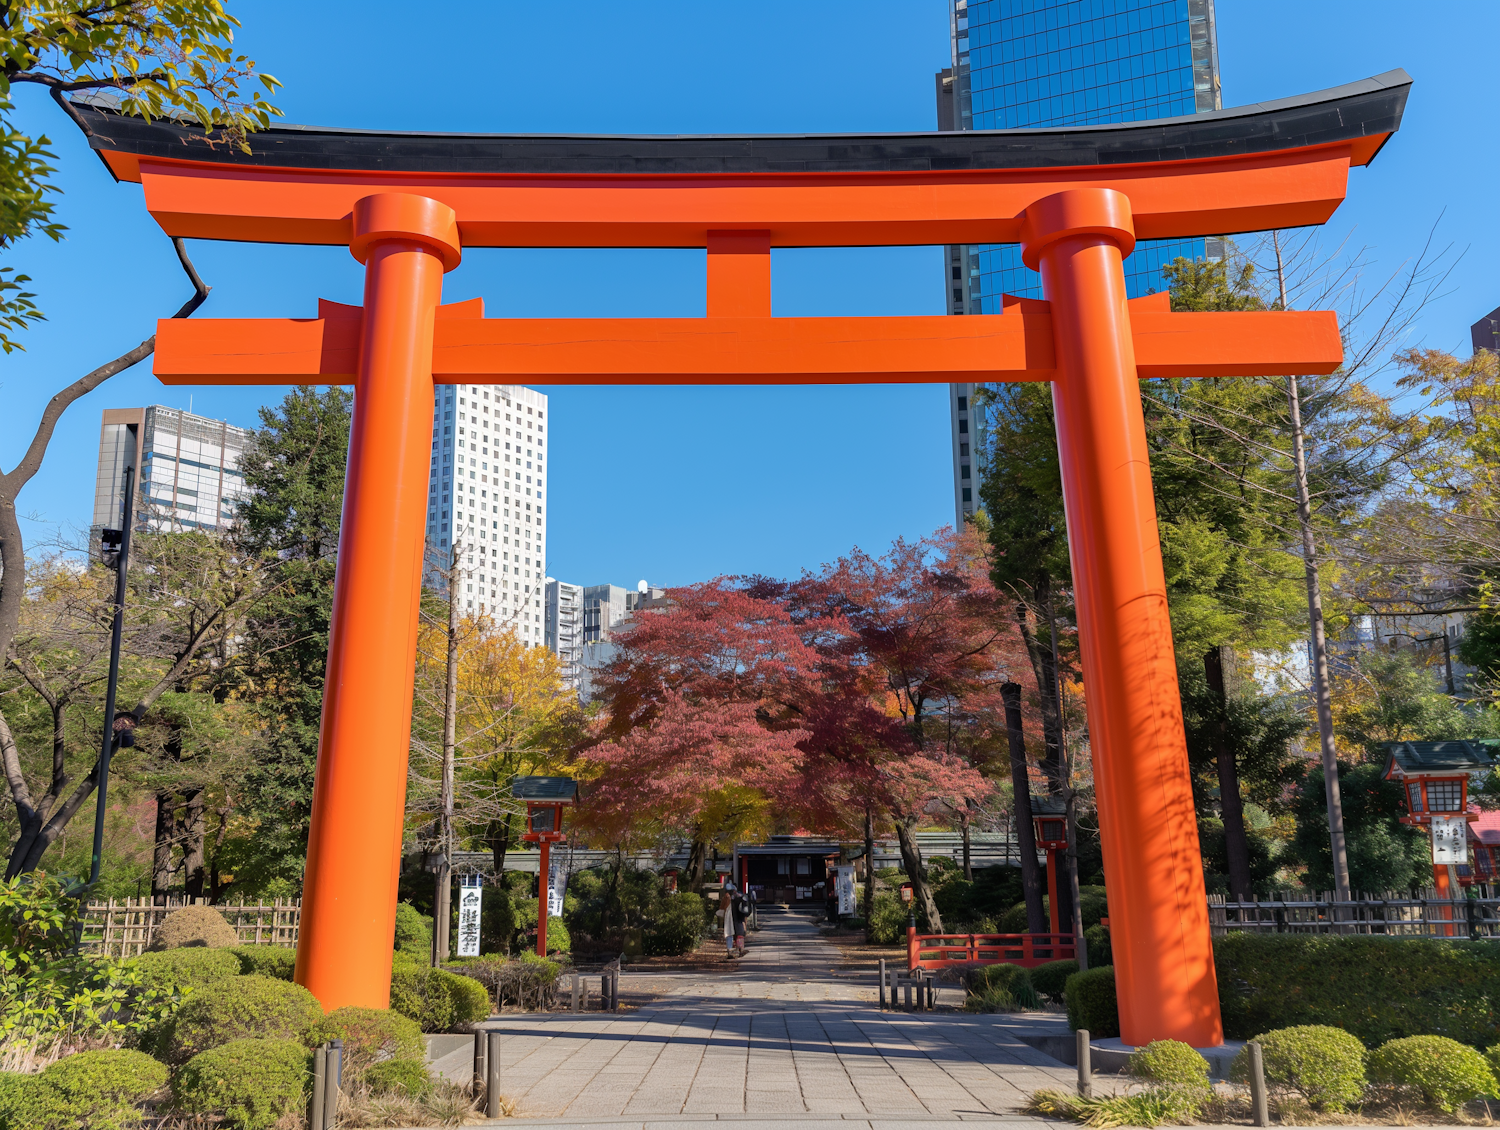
(938, 951)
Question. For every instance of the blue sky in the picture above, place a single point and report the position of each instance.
(679, 484)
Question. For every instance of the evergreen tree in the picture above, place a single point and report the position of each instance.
(294, 467)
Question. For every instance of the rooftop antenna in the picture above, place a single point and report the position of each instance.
(642, 586)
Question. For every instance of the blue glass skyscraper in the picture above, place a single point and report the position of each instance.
(1047, 63)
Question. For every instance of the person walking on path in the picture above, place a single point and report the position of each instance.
(736, 909)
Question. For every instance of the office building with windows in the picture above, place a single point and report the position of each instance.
(486, 503)
(1052, 63)
(563, 627)
(187, 470)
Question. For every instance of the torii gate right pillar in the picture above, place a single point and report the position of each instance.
(1164, 968)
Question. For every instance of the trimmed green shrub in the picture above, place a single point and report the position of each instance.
(1378, 988)
(1000, 988)
(1091, 1002)
(200, 926)
(100, 1090)
(370, 1035)
(1172, 1064)
(12, 1086)
(1100, 951)
(408, 1078)
(242, 1008)
(253, 1084)
(279, 962)
(888, 919)
(1444, 1072)
(190, 969)
(413, 932)
(1049, 979)
(677, 926)
(558, 938)
(439, 1001)
(1324, 1065)
(528, 981)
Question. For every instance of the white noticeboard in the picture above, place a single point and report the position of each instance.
(469, 899)
(1450, 840)
(557, 886)
(844, 885)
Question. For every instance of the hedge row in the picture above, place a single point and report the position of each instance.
(1376, 988)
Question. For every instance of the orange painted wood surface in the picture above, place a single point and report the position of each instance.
(1014, 346)
(1253, 192)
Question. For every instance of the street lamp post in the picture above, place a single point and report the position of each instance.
(117, 731)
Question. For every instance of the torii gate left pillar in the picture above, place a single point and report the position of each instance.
(406, 243)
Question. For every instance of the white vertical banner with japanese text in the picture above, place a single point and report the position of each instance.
(844, 885)
(470, 897)
(557, 885)
(1450, 840)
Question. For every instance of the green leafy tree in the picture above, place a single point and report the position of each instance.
(152, 58)
(1384, 854)
(294, 467)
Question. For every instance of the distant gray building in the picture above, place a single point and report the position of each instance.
(564, 626)
(187, 470)
(1485, 333)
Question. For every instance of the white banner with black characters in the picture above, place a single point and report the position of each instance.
(844, 885)
(557, 886)
(470, 899)
(1450, 840)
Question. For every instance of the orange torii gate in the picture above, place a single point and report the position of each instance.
(1076, 200)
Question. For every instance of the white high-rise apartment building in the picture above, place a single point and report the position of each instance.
(187, 470)
(485, 499)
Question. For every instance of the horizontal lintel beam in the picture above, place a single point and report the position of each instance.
(1223, 195)
(1013, 346)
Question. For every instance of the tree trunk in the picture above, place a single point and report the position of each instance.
(194, 831)
(442, 902)
(1074, 918)
(1068, 910)
(1231, 807)
(916, 872)
(697, 858)
(963, 824)
(499, 837)
(869, 893)
(1042, 670)
(1020, 783)
(1318, 641)
(161, 856)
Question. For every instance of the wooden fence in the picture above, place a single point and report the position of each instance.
(1423, 913)
(126, 927)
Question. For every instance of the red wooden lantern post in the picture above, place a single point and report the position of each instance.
(545, 798)
(1050, 817)
(1435, 776)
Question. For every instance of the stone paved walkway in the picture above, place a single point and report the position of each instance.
(783, 1036)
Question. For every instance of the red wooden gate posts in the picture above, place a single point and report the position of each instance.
(354, 850)
(1074, 200)
(1152, 866)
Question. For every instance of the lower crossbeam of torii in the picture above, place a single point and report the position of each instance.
(1076, 200)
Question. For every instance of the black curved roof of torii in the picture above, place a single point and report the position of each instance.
(1370, 108)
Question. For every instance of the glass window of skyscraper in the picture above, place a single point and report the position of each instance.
(1041, 63)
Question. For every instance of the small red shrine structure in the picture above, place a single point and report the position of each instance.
(1436, 776)
(1050, 817)
(545, 798)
